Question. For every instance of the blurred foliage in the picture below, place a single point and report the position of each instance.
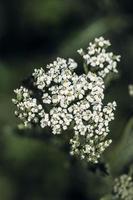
(33, 33)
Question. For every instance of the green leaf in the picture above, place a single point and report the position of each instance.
(107, 197)
(97, 28)
(122, 152)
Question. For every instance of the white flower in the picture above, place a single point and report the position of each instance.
(80, 51)
(123, 188)
(46, 98)
(45, 120)
(99, 59)
(62, 100)
(28, 108)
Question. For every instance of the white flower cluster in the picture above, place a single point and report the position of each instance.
(93, 133)
(123, 188)
(68, 101)
(27, 108)
(130, 88)
(97, 57)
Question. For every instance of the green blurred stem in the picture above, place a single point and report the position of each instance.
(85, 68)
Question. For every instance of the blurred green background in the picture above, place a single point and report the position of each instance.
(32, 34)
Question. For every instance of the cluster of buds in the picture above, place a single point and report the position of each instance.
(70, 101)
(99, 59)
(123, 188)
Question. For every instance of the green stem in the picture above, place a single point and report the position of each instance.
(85, 68)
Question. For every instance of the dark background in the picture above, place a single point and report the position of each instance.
(32, 34)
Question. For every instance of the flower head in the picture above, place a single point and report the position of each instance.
(123, 188)
(68, 100)
(97, 57)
